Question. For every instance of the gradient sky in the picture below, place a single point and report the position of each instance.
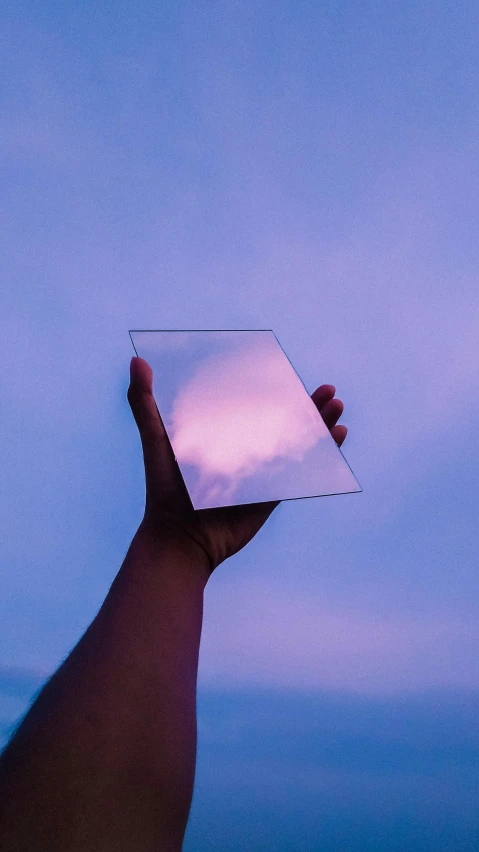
(310, 168)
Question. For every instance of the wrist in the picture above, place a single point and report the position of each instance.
(161, 566)
(169, 541)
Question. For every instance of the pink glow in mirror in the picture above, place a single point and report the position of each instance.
(241, 423)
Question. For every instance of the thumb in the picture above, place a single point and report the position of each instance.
(165, 488)
(142, 403)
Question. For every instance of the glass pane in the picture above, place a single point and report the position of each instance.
(241, 423)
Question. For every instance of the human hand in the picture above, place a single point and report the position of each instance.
(219, 532)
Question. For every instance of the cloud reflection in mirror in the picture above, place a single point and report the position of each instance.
(242, 426)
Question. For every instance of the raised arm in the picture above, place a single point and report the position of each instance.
(104, 760)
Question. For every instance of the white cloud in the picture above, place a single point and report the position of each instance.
(262, 407)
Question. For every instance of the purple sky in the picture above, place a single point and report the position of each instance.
(203, 165)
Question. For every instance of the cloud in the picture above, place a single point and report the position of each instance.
(337, 770)
(264, 413)
(17, 682)
(341, 730)
(18, 686)
(263, 633)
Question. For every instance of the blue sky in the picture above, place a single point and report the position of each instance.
(313, 170)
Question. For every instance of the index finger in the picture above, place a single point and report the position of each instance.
(322, 395)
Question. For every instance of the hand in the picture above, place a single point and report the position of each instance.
(221, 532)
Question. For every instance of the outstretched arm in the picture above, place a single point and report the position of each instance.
(104, 760)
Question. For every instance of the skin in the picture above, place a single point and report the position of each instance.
(104, 760)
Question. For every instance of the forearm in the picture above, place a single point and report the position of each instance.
(105, 758)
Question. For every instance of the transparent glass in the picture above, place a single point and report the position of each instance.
(241, 423)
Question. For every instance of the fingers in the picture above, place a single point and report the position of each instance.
(339, 434)
(331, 410)
(322, 395)
(164, 484)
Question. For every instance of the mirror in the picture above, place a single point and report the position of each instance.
(241, 423)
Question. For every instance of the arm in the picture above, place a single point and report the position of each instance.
(105, 758)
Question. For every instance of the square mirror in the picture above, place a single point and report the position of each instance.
(241, 423)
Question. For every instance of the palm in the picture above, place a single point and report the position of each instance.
(220, 532)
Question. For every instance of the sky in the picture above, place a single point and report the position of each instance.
(310, 168)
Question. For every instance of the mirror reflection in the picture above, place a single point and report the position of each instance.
(241, 423)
